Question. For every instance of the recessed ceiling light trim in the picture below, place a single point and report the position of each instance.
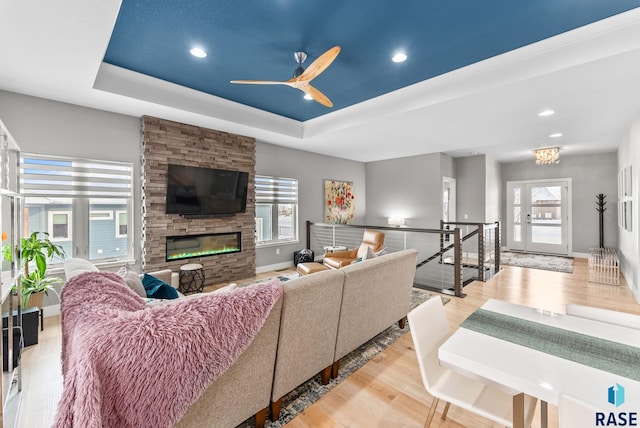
(399, 57)
(198, 52)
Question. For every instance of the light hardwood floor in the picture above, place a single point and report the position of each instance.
(387, 391)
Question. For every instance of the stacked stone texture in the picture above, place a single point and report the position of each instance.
(165, 142)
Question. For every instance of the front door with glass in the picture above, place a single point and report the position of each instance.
(538, 216)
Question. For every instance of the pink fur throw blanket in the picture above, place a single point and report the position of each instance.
(127, 365)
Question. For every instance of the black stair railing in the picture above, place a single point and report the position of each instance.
(321, 236)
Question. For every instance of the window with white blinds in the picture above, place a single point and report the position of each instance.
(276, 210)
(83, 204)
(47, 176)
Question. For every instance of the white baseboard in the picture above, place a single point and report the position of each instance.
(277, 266)
(580, 255)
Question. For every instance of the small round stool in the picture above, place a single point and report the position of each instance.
(191, 278)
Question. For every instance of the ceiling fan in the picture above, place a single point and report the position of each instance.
(302, 78)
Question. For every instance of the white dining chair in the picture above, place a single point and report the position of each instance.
(574, 413)
(429, 329)
(605, 315)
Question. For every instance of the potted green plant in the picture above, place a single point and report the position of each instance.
(35, 252)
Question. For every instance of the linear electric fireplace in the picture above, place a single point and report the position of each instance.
(210, 244)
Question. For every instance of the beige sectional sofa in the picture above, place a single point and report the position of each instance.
(245, 389)
(377, 293)
(328, 314)
(323, 317)
(319, 319)
(308, 332)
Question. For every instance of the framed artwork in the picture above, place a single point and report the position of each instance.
(339, 202)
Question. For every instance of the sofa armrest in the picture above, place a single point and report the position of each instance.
(175, 280)
(168, 276)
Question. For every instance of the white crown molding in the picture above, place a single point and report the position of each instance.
(605, 38)
(121, 81)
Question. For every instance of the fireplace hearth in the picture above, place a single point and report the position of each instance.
(204, 245)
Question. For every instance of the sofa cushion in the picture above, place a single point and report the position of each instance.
(157, 288)
(75, 266)
(133, 281)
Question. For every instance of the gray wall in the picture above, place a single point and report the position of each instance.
(470, 189)
(478, 189)
(408, 187)
(590, 174)
(54, 128)
(311, 170)
(493, 189)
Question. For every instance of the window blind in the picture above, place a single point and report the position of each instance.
(48, 176)
(276, 190)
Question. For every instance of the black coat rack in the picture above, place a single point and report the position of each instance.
(600, 203)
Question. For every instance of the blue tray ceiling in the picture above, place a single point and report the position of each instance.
(256, 39)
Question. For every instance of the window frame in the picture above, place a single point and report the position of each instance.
(118, 224)
(108, 217)
(50, 224)
(276, 191)
(81, 181)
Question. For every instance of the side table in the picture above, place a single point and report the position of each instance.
(191, 278)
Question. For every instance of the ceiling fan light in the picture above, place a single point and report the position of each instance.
(198, 53)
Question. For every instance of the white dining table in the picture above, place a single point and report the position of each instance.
(504, 360)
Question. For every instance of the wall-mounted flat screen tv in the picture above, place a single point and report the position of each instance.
(195, 191)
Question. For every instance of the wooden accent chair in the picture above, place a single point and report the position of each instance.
(373, 239)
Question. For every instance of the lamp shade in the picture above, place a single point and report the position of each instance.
(396, 221)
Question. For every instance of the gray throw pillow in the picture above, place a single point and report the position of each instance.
(133, 281)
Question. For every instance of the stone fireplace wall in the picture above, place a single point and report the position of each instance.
(165, 142)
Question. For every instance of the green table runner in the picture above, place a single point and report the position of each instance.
(613, 357)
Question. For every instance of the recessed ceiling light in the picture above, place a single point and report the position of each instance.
(399, 57)
(198, 52)
(546, 113)
(307, 97)
(556, 135)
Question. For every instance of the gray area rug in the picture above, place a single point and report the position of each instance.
(537, 261)
(307, 393)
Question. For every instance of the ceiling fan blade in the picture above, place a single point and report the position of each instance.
(260, 82)
(320, 64)
(316, 95)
